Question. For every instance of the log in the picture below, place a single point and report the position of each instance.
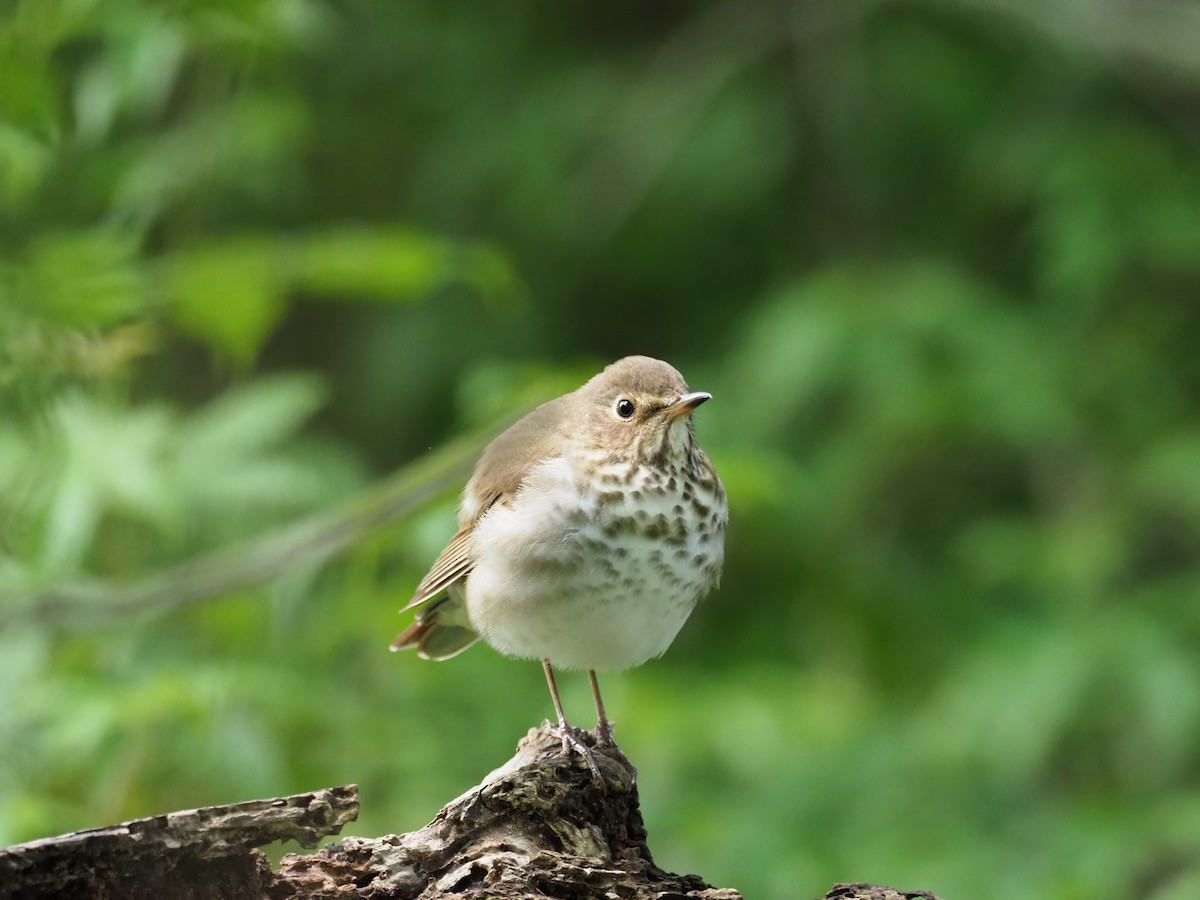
(193, 853)
(862, 891)
(540, 826)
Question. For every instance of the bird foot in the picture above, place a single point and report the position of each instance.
(603, 739)
(603, 734)
(572, 741)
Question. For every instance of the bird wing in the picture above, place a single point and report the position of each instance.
(452, 564)
(507, 461)
(498, 477)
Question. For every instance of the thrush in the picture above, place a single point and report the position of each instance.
(586, 536)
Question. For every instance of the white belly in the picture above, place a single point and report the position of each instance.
(574, 578)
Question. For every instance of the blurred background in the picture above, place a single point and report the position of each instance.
(272, 272)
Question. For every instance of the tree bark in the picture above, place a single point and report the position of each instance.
(193, 853)
(538, 827)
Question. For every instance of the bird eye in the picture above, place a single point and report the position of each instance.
(624, 408)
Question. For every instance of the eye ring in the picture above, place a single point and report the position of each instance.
(624, 408)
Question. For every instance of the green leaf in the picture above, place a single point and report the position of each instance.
(232, 293)
(229, 294)
(387, 263)
(23, 163)
(83, 279)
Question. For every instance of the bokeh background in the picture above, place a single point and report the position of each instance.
(272, 271)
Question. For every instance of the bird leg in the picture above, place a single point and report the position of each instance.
(604, 729)
(570, 738)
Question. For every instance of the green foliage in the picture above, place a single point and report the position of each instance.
(233, 293)
(939, 267)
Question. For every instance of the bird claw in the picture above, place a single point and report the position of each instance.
(572, 741)
(603, 734)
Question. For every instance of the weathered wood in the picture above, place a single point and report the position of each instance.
(538, 827)
(205, 852)
(861, 891)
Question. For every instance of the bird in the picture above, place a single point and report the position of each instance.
(587, 534)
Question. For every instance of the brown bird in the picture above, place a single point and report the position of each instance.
(586, 536)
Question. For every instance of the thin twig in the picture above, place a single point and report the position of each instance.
(314, 539)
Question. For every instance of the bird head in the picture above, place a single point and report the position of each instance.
(640, 409)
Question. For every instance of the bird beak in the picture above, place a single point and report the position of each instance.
(686, 404)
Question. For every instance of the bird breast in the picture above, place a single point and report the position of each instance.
(595, 572)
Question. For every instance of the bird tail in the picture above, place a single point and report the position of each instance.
(440, 631)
